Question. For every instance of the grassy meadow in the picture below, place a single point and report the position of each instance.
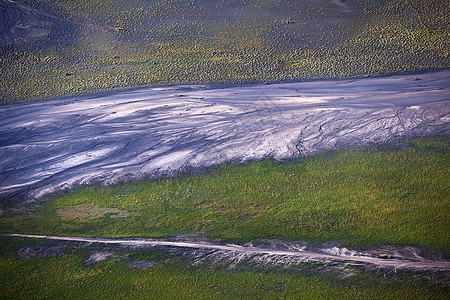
(355, 197)
(87, 46)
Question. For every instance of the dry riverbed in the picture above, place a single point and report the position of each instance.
(271, 253)
(55, 145)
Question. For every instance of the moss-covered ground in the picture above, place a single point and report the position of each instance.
(93, 45)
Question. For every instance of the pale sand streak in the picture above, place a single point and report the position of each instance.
(47, 146)
(421, 265)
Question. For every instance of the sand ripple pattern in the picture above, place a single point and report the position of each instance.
(54, 145)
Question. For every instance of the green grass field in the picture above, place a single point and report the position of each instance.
(94, 45)
(356, 197)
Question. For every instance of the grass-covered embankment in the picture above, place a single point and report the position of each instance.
(91, 45)
(356, 197)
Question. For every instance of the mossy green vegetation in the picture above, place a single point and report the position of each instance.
(107, 45)
(66, 277)
(356, 197)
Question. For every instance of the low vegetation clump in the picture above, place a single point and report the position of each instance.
(356, 197)
(91, 45)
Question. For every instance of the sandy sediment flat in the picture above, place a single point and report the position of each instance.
(54, 145)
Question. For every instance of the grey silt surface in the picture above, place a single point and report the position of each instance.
(54, 145)
(266, 255)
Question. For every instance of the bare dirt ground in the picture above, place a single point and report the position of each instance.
(21, 25)
(290, 253)
(49, 146)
